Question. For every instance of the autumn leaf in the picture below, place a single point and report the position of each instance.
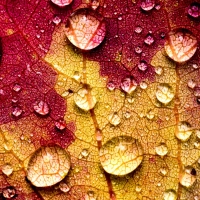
(99, 99)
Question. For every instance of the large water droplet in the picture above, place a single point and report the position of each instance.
(7, 169)
(85, 29)
(142, 66)
(184, 131)
(164, 93)
(41, 108)
(114, 119)
(56, 20)
(9, 192)
(170, 195)
(181, 45)
(188, 176)
(161, 149)
(62, 3)
(84, 99)
(194, 10)
(149, 40)
(48, 166)
(121, 155)
(128, 85)
(147, 5)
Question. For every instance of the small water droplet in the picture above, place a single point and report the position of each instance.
(16, 88)
(85, 99)
(163, 171)
(130, 99)
(121, 155)
(85, 153)
(39, 170)
(196, 144)
(64, 187)
(7, 169)
(164, 93)
(188, 176)
(170, 195)
(62, 3)
(127, 115)
(76, 75)
(85, 29)
(147, 5)
(198, 134)
(159, 70)
(143, 85)
(161, 149)
(120, 18)
(191, 84)
(138, 29)
(17, 111)
(198, 160)
(114, 119)
(95, 4)
(111, 85)
(184, 131)
(138, 50)
(149, 40)
(162, 35)
(157, 7)
(61, 125)
(41, 108)
(150, 114)
(38, 36)
(128, 85)
(9, 192)
(194, 10)
(98, 135)
(90, 196)
(138, 188)
(56, 20)
(195, 65)
(142, 65)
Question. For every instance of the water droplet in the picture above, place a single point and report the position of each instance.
(85, 153)
(64, 187)
(62, 3)
(170, 195)
(164, 93)
(61, 125)
(56, 20)
(9, 192)
(195, 65)
(188, 176)
(76, 75)
(110, 85)
(150, 114)
(41, 108)
(128, 85)
(161, 149)
(7, 169)
(198, 161)
(147, 5)
(85, 29)
(138, 50)
(17, 111)
(120, 18)
(130, 99)
(38, 36)
(157, 7)
(127, 115)
(121, 155)
(194, 10)
(138, 188)
(163, 171)
(181, 45)
(84, 99)
(90, 196)
(48, 166)
(191, 84)
(143, 85)
(184, 131)
(162, 35)
(149, 40)
(114, 119)
(198, 133)
(138, 29)
(95, 4)
(16, 88)
(142, 65)
(159, 70)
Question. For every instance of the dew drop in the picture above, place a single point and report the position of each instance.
(161, 149)
(138, 50)
(191, 84)
(157, 7)
(16, 88)
(56, 20)
(184, 131)
(48, 166)
(7, 169)
(90, 196)
(9, 192)
(17, 111)
(150, 114)
(41, 108)
(111, 86)
(64, 187)
(198, 161)
(188, 176)
(142, 66)
(162, 35)
(85, 29)
(138, 29)
(121, 155)
(76, 75)
(163, 171)
(164, 93)
(170, 195)
(143, 85)
(181, 45)
(195, 66)
(128, 85)
(147, 5)
(62, 3)
(130, 99)
(149, 40)
(127, 115)
(114, 119)
(84, 99)
(61, 125)
(85, 153)
(198, 133)
(159, 70)
(194, 10)
(95, 4)
(138, 188)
